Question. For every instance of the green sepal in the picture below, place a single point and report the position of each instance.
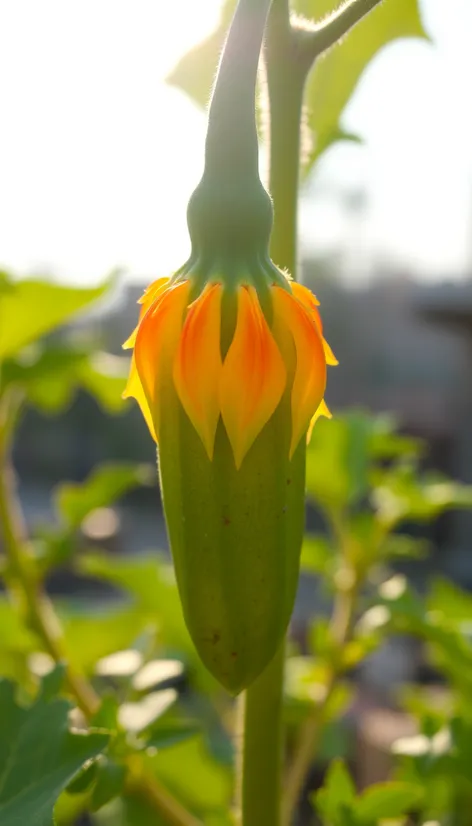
(236, 537)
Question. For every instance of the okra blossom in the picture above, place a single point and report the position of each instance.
(229, 369)
(231, 354)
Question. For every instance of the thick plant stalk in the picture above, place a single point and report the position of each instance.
(261, 749)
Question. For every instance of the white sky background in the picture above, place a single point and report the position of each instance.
(98, 156)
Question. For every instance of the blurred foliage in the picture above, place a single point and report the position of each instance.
(334, 77)
(38, 755)
(158, 708)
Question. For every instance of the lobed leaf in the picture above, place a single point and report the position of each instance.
(104, 485)
(30, 309)
(39, 756)
(335, 75)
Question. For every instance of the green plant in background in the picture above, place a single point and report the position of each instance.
(146, 734)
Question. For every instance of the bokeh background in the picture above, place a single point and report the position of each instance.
(99, 156)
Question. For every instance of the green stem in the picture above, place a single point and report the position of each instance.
(286, 76)
(285, 118)
(261, 750)
(39, 608)
(337, 24)
(232, 135)
(312, 728)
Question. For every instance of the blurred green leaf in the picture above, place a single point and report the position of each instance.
(92, 633)
(151, 582)
(104, 485)
(337, 73)
(403, 546)
(196, 70)
(450, 648)
(46, 374)
(196, 779)
(338, 460)
(104, 376)
(142, 714)
(30, 309)
(318, 555)
(50, 374)
(17, 643)
(334, 802)
(84, 779)
(387, 443)
(454, 604)
(305, 679)
(136, 812)
(386, 800)
(39, 756)
(110, 779)
(167, 734)
(400, 494)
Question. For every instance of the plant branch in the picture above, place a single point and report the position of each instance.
(286, 76)
(336, 25)
(261, 747)
(232, 135)
(312, 729)
(158, 798)
(39, 608)
(24, 584)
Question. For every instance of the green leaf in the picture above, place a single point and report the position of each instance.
(137, 717)
(104, 485)
(137, 812)
(93, 633)
(46, 374)
(452, 602)
(50, 374)
(104, 376)
(338, 460)
(167, 734)
(337, 73)
(334, 802)
(401, 494)
(30, 309)
(196, 70)
(39, 756)
(189, 771)
(17, 644)
(402, 546)
(109, 783)
(150, 581)
(84, 779)
(318, 555)
(386, 800)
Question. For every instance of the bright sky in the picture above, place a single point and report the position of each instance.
(99, 156)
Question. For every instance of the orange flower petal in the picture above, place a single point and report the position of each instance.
(253, 377)
(152, 291)
(304, 295)
(150, 294)
(134, 389)
(323, 410)
(310, 372)
(311, 302)
(156, 345)
(197, 365)
(329, 355)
